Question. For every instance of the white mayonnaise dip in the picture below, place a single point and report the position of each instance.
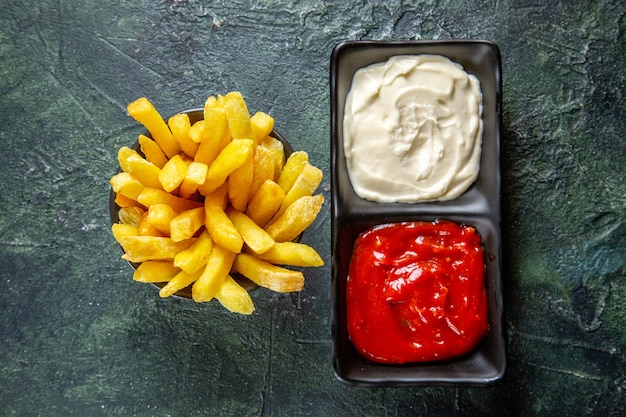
(412, 130)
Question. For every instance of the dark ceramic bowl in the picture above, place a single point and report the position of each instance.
(194, 116)
(479, 206)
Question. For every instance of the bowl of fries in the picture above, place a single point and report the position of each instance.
(211, 203)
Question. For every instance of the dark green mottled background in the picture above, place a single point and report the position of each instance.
(80, 338)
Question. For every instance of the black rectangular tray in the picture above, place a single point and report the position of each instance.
(479, 206)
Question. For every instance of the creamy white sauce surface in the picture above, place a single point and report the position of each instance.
(412, 130)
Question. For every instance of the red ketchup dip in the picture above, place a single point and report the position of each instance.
(416, 292)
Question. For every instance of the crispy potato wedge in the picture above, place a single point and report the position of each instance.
(234, 297)
(296, 218)
(264, 274)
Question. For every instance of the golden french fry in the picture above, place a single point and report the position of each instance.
(125, 184)
(160, 216)
(181, 280)
(264, 274)
(305, 185)
(265, 203)
(179, 125)
(239, 183)
(196, 172)
(296, 218)
(155, 271)
(292, 253)
(145, 172)
(234, 297)
(238, 116)
(173, 173)
(123, 201)
(196, 132)
(121, 229)
(219, 226)
(152, 151)
(146, 229)
(257, 239)
(230, 158)
(145, 113)
(293, 166)
(151, 196)
(130, 215)
(150, 248)
(217, 269)
(216, 134)
(278, 149)
(186, 224)
(264, 165)
(261, 125)
(196, 175)
(195, 257)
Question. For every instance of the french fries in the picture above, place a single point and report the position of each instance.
(291, 253)
(264, 274)
(173, 173)
(155, 271)
(202, 202)
(234, 297)
(150, 248)
(296, 218)
(143, 111)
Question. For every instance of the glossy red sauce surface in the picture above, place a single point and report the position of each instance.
(416, 292)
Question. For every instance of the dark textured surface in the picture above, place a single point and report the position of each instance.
(80, 338)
